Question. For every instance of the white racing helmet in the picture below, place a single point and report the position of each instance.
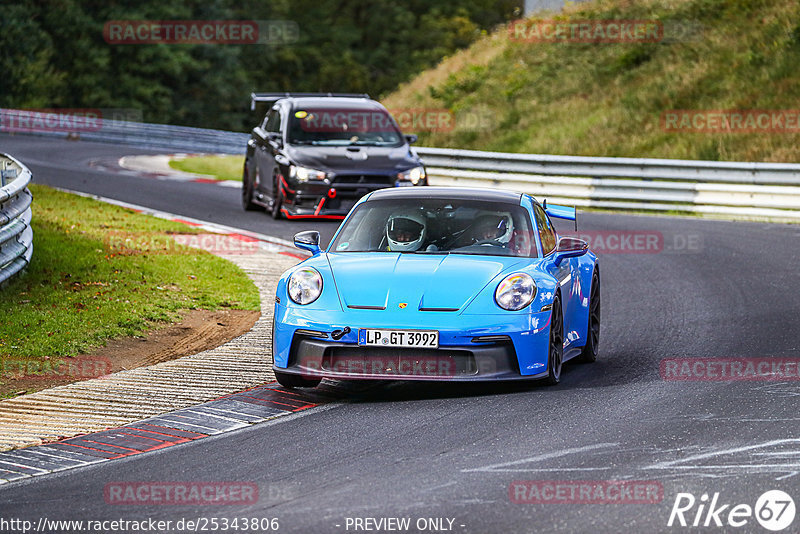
(496, 227)
(405, 231)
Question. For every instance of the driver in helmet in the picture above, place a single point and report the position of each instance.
(405, 232)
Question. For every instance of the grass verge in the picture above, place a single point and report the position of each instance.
(220, 167)
(100, 272)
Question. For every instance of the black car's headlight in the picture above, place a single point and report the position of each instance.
(414, 175)
(304, 174)
(305, 285)
(515, 292)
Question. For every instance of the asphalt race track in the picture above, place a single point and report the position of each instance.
(713, 289)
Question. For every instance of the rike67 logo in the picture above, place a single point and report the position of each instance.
(774, 510)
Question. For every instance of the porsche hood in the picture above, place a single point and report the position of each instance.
(426, 282)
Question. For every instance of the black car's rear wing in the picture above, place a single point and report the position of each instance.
(274, 97)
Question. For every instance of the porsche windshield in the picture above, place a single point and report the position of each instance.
(343, 126)
(438, 226)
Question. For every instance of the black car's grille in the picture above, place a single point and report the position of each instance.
(365, 179)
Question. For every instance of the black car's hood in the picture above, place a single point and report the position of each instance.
(347, 159)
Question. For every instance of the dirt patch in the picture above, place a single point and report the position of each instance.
(198, 330)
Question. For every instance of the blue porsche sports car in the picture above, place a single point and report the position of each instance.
(438, 284)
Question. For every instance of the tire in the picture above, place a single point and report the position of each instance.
(589, 352)
(277, 200)
(247, 191)
(555, 351)
(294, 381)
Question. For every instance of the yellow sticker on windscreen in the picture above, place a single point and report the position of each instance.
(300, 114)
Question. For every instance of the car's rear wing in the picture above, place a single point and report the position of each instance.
(274, 97)
(561, 212)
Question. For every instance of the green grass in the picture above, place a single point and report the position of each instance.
(100, 272)
(218, 167)
(608, 99)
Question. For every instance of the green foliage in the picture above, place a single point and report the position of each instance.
(53, 54)
(607, 99)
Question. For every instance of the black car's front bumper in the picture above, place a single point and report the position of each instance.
(333, 199)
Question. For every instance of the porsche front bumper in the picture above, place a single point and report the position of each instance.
(471, 347)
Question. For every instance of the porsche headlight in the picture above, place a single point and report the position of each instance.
(304, 174)
(414, 175)
(305, 285)
(515, 292)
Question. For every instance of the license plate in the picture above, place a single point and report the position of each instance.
(427, 339)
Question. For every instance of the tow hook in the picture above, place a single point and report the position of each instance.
(339, 334)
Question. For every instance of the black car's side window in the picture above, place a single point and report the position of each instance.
(273, 121)
(546, 233)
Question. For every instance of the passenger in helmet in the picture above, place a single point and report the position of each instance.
(405, 232)
(490, 228)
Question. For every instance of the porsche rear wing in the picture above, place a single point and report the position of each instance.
(561, 212)
(274, 97)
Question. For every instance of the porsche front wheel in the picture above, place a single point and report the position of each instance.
(555, 355)
(589, 352)
(295, 381)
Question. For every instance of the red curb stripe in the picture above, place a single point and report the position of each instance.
(109, 445)
(187, 222)
(175, 439)
(197, 435)
(272, 401)
(112, 454)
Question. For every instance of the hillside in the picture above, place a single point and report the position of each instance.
(613, 99)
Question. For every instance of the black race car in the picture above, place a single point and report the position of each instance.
(315, 155)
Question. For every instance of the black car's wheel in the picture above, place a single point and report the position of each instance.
(295, 381)
(277, 200)
(247, 191)
(589, 353)
(556, 351)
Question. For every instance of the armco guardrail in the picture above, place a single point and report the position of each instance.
(144, 135)
(711, 187)
(16, 235)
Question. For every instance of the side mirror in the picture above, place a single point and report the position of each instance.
(308, 240)
(259, 132)
(411, 138)
(275, 139)
(570, 247)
